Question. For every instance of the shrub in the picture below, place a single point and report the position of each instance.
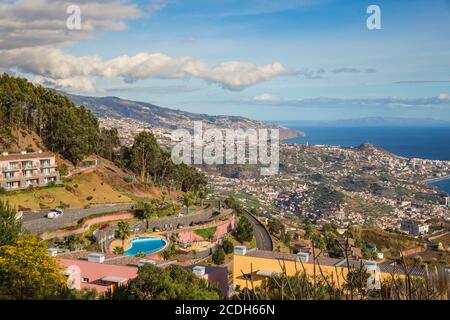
(118, 250)
(2, 190)
(128, 179)
(62, 169)
(219, 256)
(51, 184)
(227, 246)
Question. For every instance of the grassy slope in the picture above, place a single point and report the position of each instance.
(76, 197)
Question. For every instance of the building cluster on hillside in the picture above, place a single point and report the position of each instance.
(129, 128)
(292, 194)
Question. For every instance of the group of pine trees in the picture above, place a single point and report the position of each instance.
(74, 132)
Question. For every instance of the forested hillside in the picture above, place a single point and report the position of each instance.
(74, 132)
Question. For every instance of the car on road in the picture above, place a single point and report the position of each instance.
(19, 215)
(55, 213)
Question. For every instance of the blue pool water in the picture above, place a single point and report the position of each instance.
(146, 245)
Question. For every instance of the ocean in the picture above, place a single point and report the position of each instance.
(443, 185)
(418, 142)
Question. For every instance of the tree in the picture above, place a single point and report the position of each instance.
(244, 230)
(145, 155)
(62, 170)
(276, 227)
(123, 231)
(28, 272)
(109, 143)
(227, 246)
(10, 227)
(149, 212)
(169, 252)
(202, 194)
(218, 256)
(73, 242)
(171, 283)
(188, 200)
(310, 230)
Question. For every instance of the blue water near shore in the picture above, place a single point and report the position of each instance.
(443, 185)
(411, 142)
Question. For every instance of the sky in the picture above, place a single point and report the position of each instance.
(263, 59)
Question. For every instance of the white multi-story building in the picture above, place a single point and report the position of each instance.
(414, 228)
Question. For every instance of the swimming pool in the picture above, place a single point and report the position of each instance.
(145, 245)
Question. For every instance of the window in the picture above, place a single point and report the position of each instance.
(27, 164)
(45, 162)
(85, 280)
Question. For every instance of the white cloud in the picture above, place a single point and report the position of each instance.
(56, 66)
(28, 23)
(265, 97)
(32, 33)
(444, 96)
(78, 84)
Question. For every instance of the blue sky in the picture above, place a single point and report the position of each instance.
(332, 66)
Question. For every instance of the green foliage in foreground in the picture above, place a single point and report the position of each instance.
(10, 227)
(171, 283)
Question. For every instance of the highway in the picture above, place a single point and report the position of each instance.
(263, 240)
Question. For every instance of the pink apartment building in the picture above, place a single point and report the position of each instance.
(19, 171)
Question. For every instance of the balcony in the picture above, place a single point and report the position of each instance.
(50, 174)
(48, 165)
(11, 169)
(30, 166)
(11, 179)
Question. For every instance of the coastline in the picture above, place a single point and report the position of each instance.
(431, 180)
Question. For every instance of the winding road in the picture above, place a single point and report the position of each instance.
(36, 222)
(262, 236)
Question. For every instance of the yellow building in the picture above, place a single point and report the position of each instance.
(252, 266)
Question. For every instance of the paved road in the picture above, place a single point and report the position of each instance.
(263, 240)
(36, 222)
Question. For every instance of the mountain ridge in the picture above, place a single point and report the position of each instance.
(168, 118)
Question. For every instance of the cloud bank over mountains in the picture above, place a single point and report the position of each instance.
(440, 101)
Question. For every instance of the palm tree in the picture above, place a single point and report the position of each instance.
(202, 195)
(123, 231)
(188, 200)
(148, 212)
